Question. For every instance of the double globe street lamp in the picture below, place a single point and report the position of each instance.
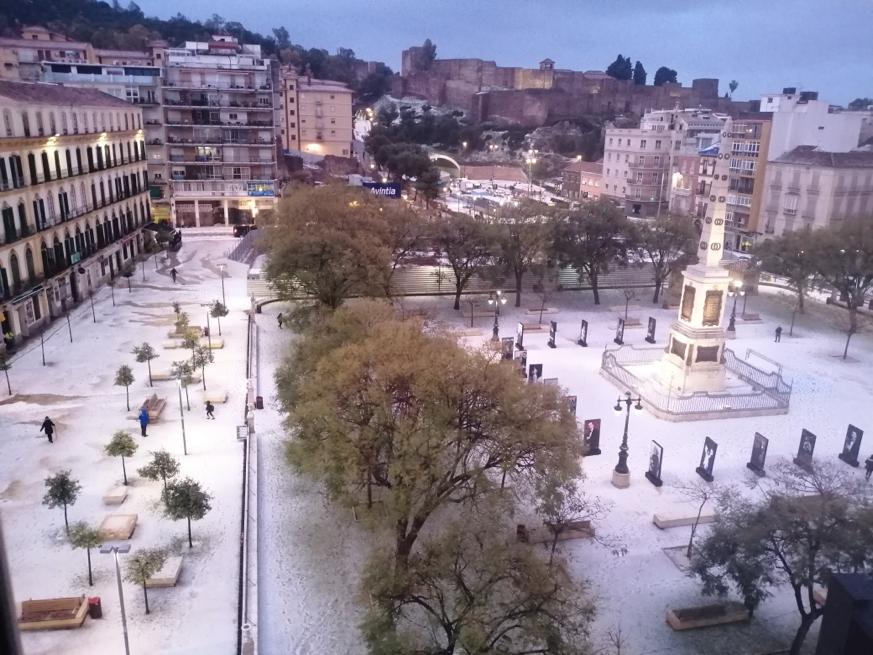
(735, 290)
(621, 474)
(496, 299)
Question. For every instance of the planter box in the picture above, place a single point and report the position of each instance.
(168, 576)
(690, 618)
(115, 496)
(664, 521)
(53, 613)
(118, 526)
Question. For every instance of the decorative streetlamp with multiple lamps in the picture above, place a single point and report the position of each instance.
(496, 299)
(735, 290)
(621, 474)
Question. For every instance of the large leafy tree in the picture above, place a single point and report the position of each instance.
(162, 467)
(84, 536)
(522, 236)
(621, 68)
(424, 423)
(639, 74)
(844, 259)
(466, 244)
(664, 75)
(121, 445)
(184, 499)
(789, 257)
(124, 378)
(591, 239)
(141, 566)
(666, 243)
(146, 353)
(329, 243)
(62, 490)
(806, 526)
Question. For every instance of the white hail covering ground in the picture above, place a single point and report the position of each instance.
(76, 390)
(311, 552)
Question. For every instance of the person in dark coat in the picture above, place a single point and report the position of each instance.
(209, 409)
(279, 319)
(49, 428)
(173, 274)
(143, 420)
(778, 334)
(867, 465)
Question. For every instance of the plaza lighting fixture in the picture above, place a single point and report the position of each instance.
(497, 299)
(621, 472)
(735, 290)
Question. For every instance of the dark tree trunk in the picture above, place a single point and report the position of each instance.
(123, 470)
(800, 635)
(145, 594)
(203, 376)
(459, 288)
(66, 522)
(594, 288)
(187, 401)
(190, 543)
(694, 529)
(127, 396)
(218, 318)
(149, 364)
(90, 577)
(658, 283)
(518, 276)
(8, 386)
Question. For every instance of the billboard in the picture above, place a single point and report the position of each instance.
(384, 190)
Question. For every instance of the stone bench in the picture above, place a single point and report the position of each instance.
(115, 496)
(53, 613)
(168, 576)
(705, 616)
(154, 406)
(117, 527)
(171, 345)
(173, 334)
(214, 343)
(163, 375)
(214, 396)
(535, 311)
(664, 521)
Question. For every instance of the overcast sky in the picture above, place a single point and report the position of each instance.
(822, 45)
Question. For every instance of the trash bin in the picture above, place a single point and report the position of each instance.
(259, 402)
(95, 608)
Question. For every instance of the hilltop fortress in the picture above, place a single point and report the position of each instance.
(540, 96)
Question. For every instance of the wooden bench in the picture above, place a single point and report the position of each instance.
(664, 521)
(53, 613)
(168, 576)
(690, 618)
(545, 535)
(118, 526)
(154, 406)
(115, 496)
(214, 396)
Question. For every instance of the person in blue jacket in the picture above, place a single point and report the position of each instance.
(143, 420)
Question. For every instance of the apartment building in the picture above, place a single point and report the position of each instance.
(581, 180)
(750, 143)
(73, 196)
(217, 132)
(809, 188)
(693, 132)
(317, 115)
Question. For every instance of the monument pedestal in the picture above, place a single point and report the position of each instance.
(620, 480)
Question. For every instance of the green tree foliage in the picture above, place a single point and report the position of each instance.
(666, 243)
(428, 54)
(639, 74)
(201, 357)
(183, 372)
(145, 353)
(124, 378)
(62, 491)
(466, 243)
(562, 504)
(621, 68)
(844, 259)
(788, 256)
(423, 422)
(522, 236)
(804, 528)
(429, 184)
(591, 239)
(82, 535)
(182, 322)
(330, 243)
(162, 467)
(472, 590)
(664, 75)
(141, 566)
(860, 103)
(732, 85)
(217, 310)
(191, 340)
(184, 499)
(122, 445)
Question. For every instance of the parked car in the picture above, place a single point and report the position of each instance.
(242, 230)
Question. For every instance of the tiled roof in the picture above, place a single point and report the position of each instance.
(809, 156)
(57, 94)
(594, 167)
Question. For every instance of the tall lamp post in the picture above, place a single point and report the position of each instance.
(221, 268)
(735, 290)
(496, 299)
(182, 416)
(621, 474)
(121, 548)
(530, 160)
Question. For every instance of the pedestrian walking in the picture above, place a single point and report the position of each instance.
(210, 408)
(280, 319)
(143, 420)
(867, 465)
(49, 428)
(778, 334)
(173, 274)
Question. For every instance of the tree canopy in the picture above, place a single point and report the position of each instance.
(664, 75)
(639, 74)
(621, 68)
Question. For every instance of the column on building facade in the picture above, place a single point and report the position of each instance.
(197, 213)
(226, 207)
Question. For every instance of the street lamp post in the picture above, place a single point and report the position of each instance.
(530, 160)
(621, 474)
(182, 416)
(221, 272)
(496, 298)
(121, 548)
(735, 290)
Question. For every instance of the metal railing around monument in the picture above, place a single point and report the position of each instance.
(771, 393)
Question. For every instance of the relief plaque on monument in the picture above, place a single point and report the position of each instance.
(678, 348)
(687, 302)
(707, 353)
(712, 308)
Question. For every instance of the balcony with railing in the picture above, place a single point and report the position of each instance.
(222, 188)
